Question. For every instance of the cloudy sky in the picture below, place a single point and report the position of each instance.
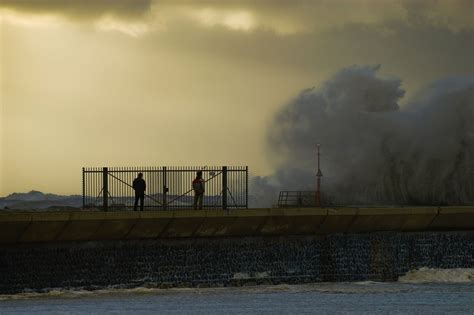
(142, 82)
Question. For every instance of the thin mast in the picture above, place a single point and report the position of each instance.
(319, 174)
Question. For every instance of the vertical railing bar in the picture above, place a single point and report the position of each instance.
(129, 180)
(176, 181)
(119, 189)
(94, 189)
(149, 185)
(129, 193)
(116, 188)
(151, 179)
(91, 185)
(189, 174)
(111, 188)
(246, 187)
(176, 184)
(105, 186)
(83, 188)
(183, 181)
(86, 181)
(150, 188)
(126, 193)
(143, 170)
(179, 185)
(189, 177)
(146, 201)
(97, 186)
(87, 184)
(178, 177)
(150, 192)
(134, 176)
(173, 184)
(164, 187)
(97, 179)
(157, 182)
(186, 180)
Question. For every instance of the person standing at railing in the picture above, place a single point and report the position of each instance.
(198, 187)
(139, 185)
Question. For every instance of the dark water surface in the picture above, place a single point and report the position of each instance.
(342, 298)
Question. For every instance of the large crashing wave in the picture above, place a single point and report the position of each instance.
(374, 151)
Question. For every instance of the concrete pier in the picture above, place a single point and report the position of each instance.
(92, 250)
(32, 227)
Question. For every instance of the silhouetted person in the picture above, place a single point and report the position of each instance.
(139, 186)
(198, 187)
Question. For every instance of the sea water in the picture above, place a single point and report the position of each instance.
(424, 291)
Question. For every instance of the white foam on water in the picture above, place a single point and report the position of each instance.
(367, 282)
(79, 293)
(48, 293)
(417, 276)
(266, 288)
(430, 275)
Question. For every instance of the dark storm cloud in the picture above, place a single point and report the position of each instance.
(419, 53)
(81, 9)
(282, 17)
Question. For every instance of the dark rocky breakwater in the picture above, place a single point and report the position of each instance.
(229, 261)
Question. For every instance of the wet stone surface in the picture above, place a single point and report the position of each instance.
(230, 261)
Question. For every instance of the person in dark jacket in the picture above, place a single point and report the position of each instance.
(198, 187)
(139, 186)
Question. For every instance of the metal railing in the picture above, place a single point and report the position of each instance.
(297, 199)
(167, 187)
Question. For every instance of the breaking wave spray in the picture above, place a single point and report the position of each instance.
(374, 151)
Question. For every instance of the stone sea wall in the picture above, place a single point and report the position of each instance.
(227, 261)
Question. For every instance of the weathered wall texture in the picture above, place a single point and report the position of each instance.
(230, 260)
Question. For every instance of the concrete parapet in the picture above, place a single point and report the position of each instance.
(397, 219)
(27, 227)
(453, 216)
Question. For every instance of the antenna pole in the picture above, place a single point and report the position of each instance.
(319, 174)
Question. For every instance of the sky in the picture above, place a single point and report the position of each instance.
(142, 82)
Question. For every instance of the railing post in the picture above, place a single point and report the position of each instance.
(105, 188)
(224, 187)
(246, 187)
(83, 188)
(165, 188)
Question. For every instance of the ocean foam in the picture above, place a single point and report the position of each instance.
(430, 275)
